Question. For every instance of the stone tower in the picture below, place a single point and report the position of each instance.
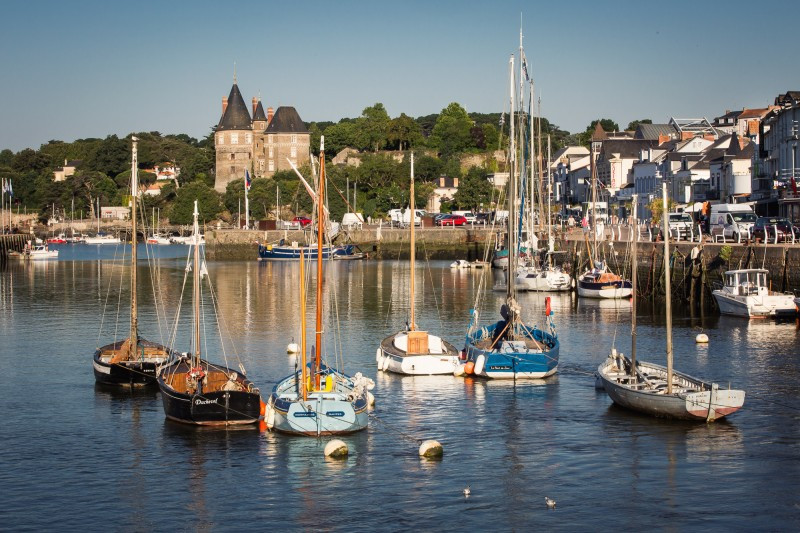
(233, 139)
(285, 139)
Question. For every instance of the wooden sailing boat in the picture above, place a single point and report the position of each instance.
(197, 392)
(599, 281)
(132, 361)
(317, 399)
(654, 389)
(510, 348)
(412, 351)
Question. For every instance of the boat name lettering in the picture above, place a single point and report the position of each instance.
(200, 401)
(334, 413)
(500, 367)
(304, 414)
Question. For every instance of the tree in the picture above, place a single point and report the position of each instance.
(342, 135)
(403, 132)
(427, 168)
(608, 125)
(30, 160)
(208, 203)
(656, 207)
(451, 134)
(111, 157)
(373, 123)
(474, 190)
(491, 137)
(635, 124)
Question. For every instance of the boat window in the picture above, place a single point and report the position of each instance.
(742, 278)
(762, 279)
(729, 281)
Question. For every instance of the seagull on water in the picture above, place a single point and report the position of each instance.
(551, 504)
(467, 491)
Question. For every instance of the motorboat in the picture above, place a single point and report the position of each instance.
(745, 293)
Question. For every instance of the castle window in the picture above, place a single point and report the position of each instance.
(248, 138)
(261, 164)
(271, 165)
(233, 156)
(269, 137)
(293, 152)
(233, 169)
(270, 151)
(234, 138)
(294, 139)
(221, 138)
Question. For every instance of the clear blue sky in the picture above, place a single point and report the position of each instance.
(93, 68)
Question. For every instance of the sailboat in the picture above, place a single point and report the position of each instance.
(132, 361)
(412, 351)
(102, 238)
(656, 390)
(318, 399)
(599, 281)
(510, 348)
(195, 391)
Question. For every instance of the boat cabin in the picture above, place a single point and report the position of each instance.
(746, 282)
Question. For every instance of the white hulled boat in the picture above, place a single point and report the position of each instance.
(745, 293)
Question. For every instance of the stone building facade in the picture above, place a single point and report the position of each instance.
(261, 143)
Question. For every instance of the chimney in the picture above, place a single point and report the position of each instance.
(708, 137)
(686, 135)
(255, 103)
(270, 113)
(663, 139)
(224, 104)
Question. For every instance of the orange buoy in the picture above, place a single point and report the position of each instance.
(262, 426)
(263, 408)
(469, 368)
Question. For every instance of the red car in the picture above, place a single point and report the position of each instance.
(303, 221)
(452, 220)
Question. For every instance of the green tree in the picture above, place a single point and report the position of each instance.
(491, 136)
(208, 203)
(632, 125)
(451, 134)
(427, 168)
(342, 135)
(656, 209)
(6, 158)
(111, 157)
(373, 123)
(474, 190)
(30, 160)
(403, 132)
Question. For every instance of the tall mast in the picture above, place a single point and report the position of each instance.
(550, 243)
(134, 338)
(412, 326)
(512, 197)
(593, 220)
(541, 161)
(196, 291)
(635, 268)
(303, 369)
(667, 287)
(320, 235)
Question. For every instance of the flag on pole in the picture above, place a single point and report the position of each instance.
(247, 181)
(5, 186)
(10, 190)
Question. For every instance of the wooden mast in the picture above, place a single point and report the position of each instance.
(412, 325)
(667, 287)
(635, 264)
(304, 370)
(196, 289)
(512, 201)
(134, 337)
(320, 235)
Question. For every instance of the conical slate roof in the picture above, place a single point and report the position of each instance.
(236, 116)
(286, 120)
(599, 133)
(259, 114)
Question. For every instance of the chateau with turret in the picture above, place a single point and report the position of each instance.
(263, 143)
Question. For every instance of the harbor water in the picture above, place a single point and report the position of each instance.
(78, 457)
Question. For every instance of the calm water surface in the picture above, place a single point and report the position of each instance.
(78, 457)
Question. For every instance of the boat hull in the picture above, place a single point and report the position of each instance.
(543, 280)
(208, 408)
(139, 373)
(508, 361)
(392, 358)
(756, 306)
(337, 410)
(292, 253)
(605, 290)
(694, 400)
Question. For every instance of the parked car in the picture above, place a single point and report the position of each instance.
(451, 220)
(681, 224)
(766, 227)
(484, 218)
(469, 215)
(303, 221)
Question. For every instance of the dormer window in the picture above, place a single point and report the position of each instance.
(294, 140)
(234, 138)
(248, 138)
(221, 139)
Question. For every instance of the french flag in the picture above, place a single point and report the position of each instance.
(247, 181)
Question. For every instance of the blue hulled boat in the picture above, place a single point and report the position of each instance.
(278, 252)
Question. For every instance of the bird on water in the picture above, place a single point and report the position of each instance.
(467, 491)
(551, 503)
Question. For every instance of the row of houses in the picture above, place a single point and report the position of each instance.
(742, 156)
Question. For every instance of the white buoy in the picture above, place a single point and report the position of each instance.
(370, 399)
(701, 338)
(292, 348)
(378, 356)
(336, 449)
(459, 370)
(431, 448)
(551, 503)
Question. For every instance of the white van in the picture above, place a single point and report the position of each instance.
(731, 221)
(402, 217)
(469, 215)
(352, 220)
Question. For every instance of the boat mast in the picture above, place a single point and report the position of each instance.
(550, 243)
(512, 203)
(634, 268)
(134, 338)
(412, 326)
(320, 233)
(196, 291)
(303, 369)
(667, 288)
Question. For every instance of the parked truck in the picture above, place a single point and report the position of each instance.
(731, 221)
